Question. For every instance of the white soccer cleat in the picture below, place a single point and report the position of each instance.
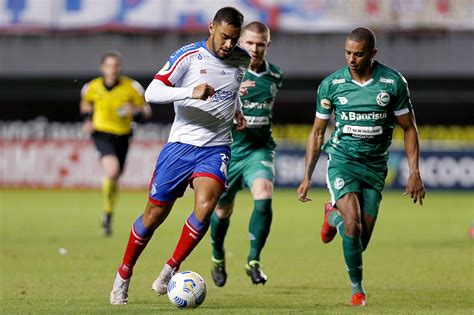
(160, 285)
(119, 293)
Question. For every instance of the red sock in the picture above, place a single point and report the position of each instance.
(135, 246)
(193, 232)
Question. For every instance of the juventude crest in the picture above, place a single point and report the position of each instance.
(383, 98)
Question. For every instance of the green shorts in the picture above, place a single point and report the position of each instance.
(258, 164)
(346, 175)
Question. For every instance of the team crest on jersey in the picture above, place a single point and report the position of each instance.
(325, 103)
(342, 100)
(273, 89)
(383, 98)
(239, 74)
(338, 183)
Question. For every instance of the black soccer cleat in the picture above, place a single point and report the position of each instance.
(107, 224)
(255, 272)
(219, 275)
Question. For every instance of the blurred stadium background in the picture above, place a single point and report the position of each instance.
(421, 260)
(50, 48)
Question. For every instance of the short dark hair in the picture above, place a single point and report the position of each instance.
(229, 15)
(258, 27)
(362, 34)
(112, 54)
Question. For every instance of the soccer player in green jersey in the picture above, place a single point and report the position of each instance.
(367, 99)
(252, 156)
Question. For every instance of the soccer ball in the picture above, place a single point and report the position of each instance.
(187, 289)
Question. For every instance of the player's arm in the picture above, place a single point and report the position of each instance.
(313, 152)
(86, 109)
(412, 148)
(158, 92)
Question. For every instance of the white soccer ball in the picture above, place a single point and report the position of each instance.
(187, 289)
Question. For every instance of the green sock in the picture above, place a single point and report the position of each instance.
(109, 194)
(218, 231)
(352, 248)
(259, 227)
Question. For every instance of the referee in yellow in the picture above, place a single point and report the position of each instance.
(109, 105)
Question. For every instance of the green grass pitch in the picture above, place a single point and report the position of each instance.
(420, 259)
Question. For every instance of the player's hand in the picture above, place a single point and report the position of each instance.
(203, 91)
(128, 109)
(244, 86)
(303, 190)
(240, 120)
(88, 127)
(415, 188)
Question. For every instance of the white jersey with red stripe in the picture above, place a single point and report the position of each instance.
(204, 122)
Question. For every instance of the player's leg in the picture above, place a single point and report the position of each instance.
(207, 192)
(345, 188)
(168, 183)
(370, 205)
(141, 233)
(220, 221)
(259, 227)
(209, 180)
(259, 175)
(351, 231)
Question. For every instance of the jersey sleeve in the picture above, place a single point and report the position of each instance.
(137, 94)
(402, 103)
(324, 106)
(176, 66)
(86, 92)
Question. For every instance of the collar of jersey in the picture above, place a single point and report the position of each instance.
(261, 73)
(348, 77)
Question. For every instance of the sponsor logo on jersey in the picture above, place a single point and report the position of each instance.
(325, 103)
(338, 81)
(363, 116)
(338, 183)
(383, 98)
(182, 49)
(256, 121)
(386, 80)
(223, 95)
(342, 100)
(362, 131)
(203, 71)
(251, 105)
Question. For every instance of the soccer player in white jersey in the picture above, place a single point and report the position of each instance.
(203, 80)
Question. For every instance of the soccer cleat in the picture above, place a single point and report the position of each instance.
(327, 231)
(107, 224)
(255, 272)
(160, 285)
(359, 299)
(219, 274)
(119, 293)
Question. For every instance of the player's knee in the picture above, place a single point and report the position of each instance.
(262, 189)
(352, 227)
(224, 212)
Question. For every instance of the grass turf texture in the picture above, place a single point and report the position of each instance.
(420, 259)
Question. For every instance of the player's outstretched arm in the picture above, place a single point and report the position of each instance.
(158, 92)
(313, 151)
(415, 187)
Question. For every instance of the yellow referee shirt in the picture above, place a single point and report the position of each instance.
(109, 104)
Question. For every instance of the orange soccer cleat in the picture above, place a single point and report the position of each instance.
(327, 232)
(359, 299)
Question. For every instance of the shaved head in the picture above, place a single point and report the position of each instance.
(259, 28)
(363, 34)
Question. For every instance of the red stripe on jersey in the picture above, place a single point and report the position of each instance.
(165, 78)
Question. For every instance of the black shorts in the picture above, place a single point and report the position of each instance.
(110, 144)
